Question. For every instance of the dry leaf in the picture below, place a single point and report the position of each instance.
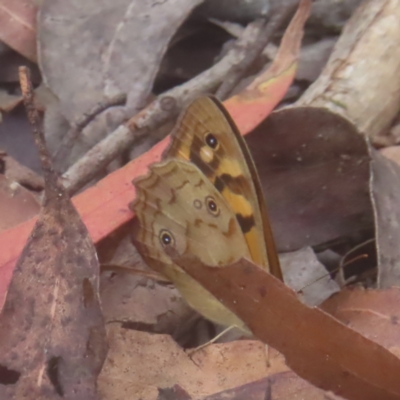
(132, 36)
(140, 302)
(254, 104)
(314, 169)
(373, 313)
(331, 356)
(52, 335)
(281, 386)
(17, 26)
(138, 363)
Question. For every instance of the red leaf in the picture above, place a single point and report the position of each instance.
(18, 26)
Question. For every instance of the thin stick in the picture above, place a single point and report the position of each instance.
(267, 30)
(34, 120)
(155, 276)
(68, 140)
(165, 107)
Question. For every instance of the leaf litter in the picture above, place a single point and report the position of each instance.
(326, 188)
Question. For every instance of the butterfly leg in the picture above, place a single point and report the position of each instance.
(213, 340)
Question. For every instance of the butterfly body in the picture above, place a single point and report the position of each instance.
(204, 199)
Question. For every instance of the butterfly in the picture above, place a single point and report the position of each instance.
(204, 199)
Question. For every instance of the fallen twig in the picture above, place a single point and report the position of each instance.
(267, 29)
(68, 140)
(34, 120)
(166, 106)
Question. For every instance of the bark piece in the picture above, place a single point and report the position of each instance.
(361, 80)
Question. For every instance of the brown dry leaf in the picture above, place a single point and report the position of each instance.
(331, 356)
(17, 204)
(153, 367)
(17, 26)
(129, 296)
(52, 335)
(373, 313)
(322, 182)
(280, 386)
(140, 302)
(138, 363)
(314, 168)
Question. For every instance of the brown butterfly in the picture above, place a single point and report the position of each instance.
(204, 199)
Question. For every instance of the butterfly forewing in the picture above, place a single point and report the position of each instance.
(206, 136)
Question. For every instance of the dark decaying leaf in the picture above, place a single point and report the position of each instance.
(323, 183)
(385, 193)
(174, 393)
(314, 168)
(284, 385)
(52, 335)
(316, 346)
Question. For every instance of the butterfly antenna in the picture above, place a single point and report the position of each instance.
(341, 266)
(343, 263)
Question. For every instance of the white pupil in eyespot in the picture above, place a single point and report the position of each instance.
(166, 239)
(211, 140)
(212, 206)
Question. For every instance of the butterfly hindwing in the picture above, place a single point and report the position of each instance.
(177, 206)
